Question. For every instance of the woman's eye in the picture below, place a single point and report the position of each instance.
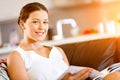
(46, 22)
(35, 22)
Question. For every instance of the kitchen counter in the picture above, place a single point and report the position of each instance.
(79, 39)
(7, 50)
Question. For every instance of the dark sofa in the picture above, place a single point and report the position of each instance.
(97, 54)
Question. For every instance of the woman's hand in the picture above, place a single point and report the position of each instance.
(81, 75)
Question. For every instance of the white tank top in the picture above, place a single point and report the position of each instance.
(41, 68)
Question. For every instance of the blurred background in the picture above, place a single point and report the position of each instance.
(68, 18)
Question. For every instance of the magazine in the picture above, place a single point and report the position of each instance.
(95, 75)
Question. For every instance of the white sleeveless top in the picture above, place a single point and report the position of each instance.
(41, 68)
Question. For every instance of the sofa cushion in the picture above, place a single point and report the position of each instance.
(117, 58)
(3, 71)
(69, 50)
(97, 54)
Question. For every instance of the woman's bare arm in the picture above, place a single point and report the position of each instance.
(16, 67)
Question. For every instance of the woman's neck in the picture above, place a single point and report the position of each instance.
(29, 45)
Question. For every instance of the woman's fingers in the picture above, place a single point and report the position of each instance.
(67, 76)
(85, 75)
(82, 75)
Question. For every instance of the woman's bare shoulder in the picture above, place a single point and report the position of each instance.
(16, 66)
(13, 57)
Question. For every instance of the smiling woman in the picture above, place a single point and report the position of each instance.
(37, 25)
(33, 60)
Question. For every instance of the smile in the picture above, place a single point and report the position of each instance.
(39, 33)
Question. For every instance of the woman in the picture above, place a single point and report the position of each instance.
(32, 61)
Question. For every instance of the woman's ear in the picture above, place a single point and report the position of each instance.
(21, 23)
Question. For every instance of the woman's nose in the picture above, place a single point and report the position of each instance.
(40, 26)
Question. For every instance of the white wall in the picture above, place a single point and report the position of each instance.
(10, 9)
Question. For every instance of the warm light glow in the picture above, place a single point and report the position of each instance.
(101, 28)
(110, 27)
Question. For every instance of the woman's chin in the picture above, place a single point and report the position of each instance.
(40, 39)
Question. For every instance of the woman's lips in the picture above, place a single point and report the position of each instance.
(40, 33)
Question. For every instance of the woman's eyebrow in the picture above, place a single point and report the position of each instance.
(39, 19)
(35, 19)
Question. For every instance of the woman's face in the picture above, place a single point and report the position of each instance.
(36, 26)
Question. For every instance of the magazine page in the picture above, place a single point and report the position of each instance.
(112, 68)
(74, 69)
(95, 75)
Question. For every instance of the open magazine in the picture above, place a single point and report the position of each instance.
(95, 75)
